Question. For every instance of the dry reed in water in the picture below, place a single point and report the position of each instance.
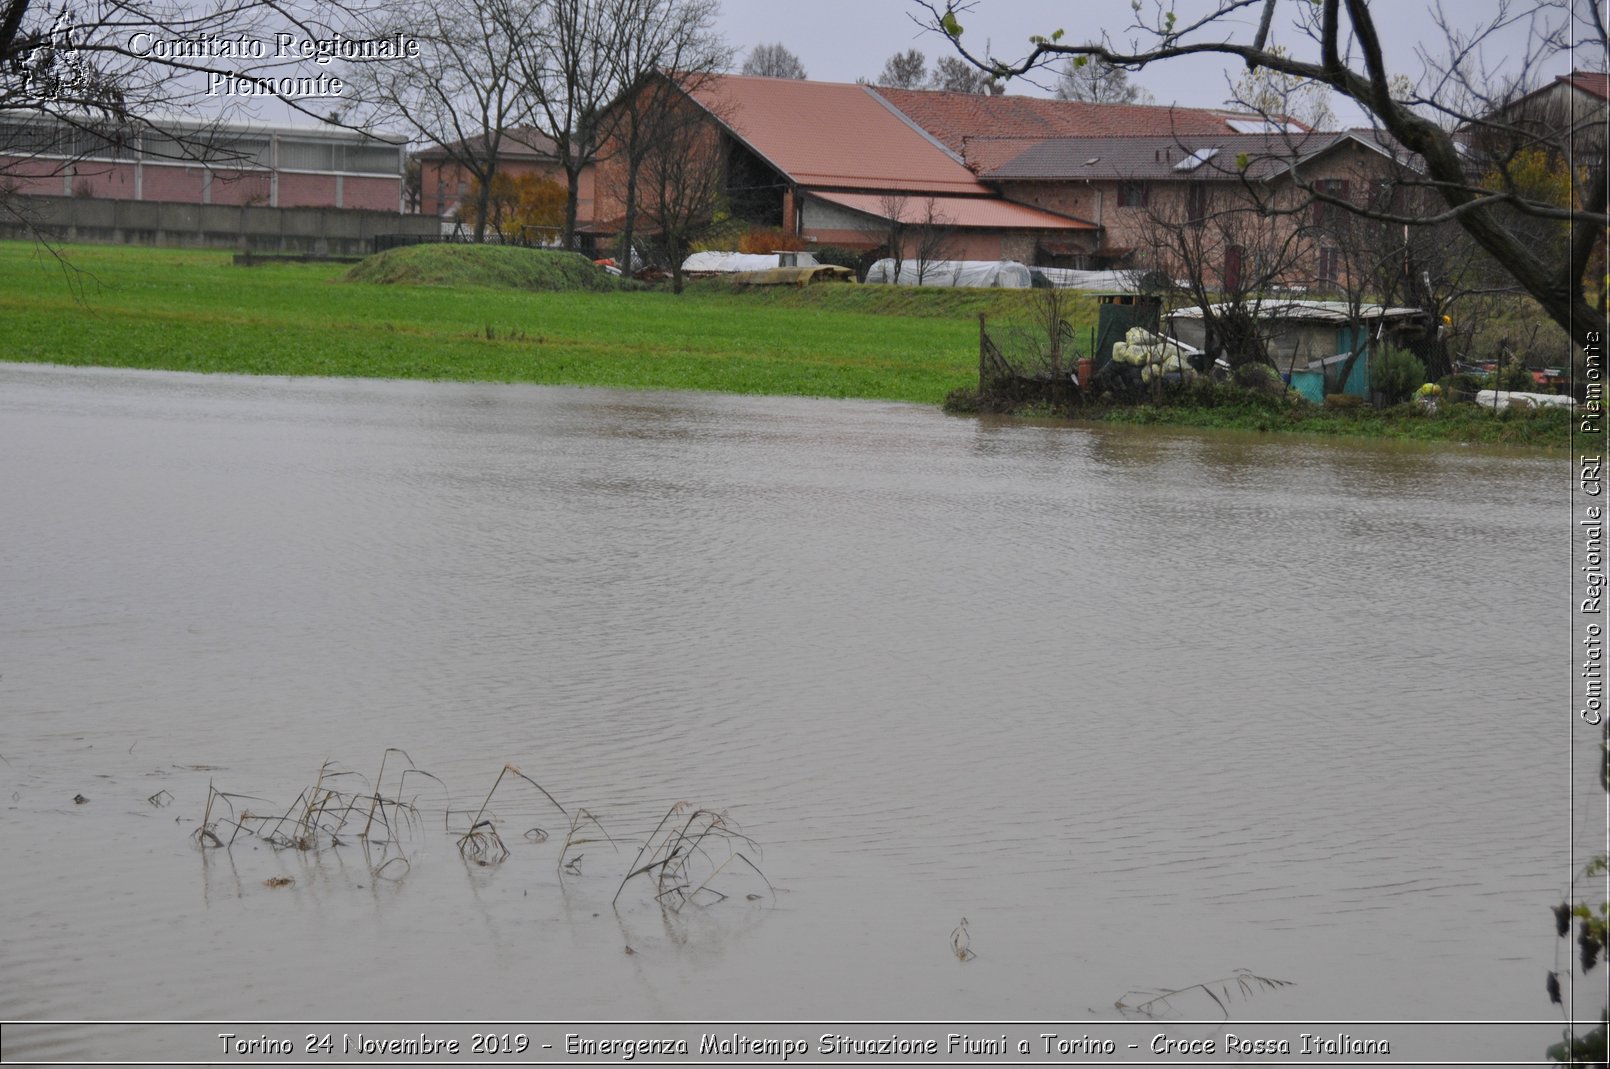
(1222, 991)
(682, 858)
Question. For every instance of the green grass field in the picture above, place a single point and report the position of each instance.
(190, 310)
(507, 315)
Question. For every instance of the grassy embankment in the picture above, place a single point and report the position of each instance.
(1224, 408)
(506, 315)
(494, 319)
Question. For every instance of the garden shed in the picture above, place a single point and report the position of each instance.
(1310, 340)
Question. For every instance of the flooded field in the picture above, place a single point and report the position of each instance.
(1144, 708)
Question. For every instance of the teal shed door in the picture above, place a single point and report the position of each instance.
(1358, 382)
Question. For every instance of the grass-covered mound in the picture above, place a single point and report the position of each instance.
(501, 266)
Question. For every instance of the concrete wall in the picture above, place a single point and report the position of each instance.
(321, 231)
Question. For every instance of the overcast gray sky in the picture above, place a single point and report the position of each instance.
(841, 40)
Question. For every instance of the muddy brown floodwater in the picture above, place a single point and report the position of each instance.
(1145, 708)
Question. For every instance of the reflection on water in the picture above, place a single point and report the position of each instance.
(1145, 707)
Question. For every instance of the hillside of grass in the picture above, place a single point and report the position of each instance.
(192, 310)
(542, 270)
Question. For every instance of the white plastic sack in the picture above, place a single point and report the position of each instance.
(1501, 399)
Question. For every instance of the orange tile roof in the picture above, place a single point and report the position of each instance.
(963, 120)
(827, 134)
(963, 212)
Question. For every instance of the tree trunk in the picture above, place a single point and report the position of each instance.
(631, 215)
(483, 202)
(572, 194)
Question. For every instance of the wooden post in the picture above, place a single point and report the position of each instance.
(983, 339)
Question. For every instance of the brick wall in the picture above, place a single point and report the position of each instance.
(125, 180)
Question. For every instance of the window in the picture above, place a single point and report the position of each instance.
(1131, 194)
(1330, 264)
(1234, 256)
(1324, 211)
(1196, 203)
(1196, 159)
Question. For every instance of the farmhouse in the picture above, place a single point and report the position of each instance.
(1049, 183)
(1133, 186)
(839, 165)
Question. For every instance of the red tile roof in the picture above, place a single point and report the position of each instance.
(961, 212)
(962, 120)
(1595, 83)
(827, 134)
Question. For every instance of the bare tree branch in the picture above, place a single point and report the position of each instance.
(1352, 63)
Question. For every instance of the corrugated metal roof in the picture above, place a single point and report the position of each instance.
(830, 134)
(1308, 311)
(962, 212)
(958, 118)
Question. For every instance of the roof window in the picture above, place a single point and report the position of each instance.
(1196, 159)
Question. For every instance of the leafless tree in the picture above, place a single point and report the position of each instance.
(1437, 269)
(84, 77)
(895, 208)
(773, 61)
(116, 57)
(674, 51)
(1454, 91)
(465, 94)
(1096, 82)
(1233, 253)
(905, 70)
(917, 233)
(933, 239)
(682, 178)
(570, 70)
